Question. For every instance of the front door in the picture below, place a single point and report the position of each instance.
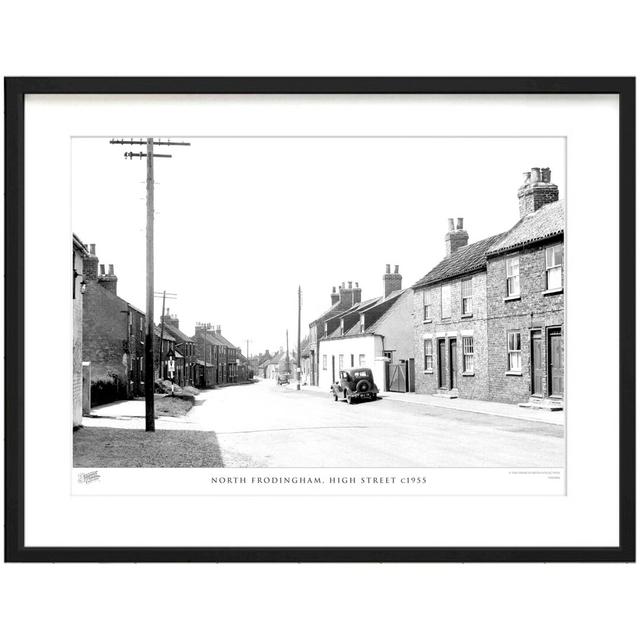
(442, 365)
(333, 369)
(453, 364)
(537, 369)
(556, 363)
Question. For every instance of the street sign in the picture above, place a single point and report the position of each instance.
(171, 366)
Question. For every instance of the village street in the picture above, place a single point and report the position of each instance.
(266, 425)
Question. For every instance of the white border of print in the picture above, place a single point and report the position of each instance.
(586, 516)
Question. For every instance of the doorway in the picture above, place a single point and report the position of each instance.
(556, 363)
(453, 363)
(442, 364)
(537, 368)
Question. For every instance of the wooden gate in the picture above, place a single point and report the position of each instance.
(398, 377)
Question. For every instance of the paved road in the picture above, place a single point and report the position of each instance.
(268, 425)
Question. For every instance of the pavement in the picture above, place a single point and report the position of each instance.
(266, 425)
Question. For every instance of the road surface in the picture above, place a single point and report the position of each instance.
(266, 425)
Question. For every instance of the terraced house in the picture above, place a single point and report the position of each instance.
(489, 318)
(525, 300)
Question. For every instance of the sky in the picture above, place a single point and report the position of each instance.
(240, 223)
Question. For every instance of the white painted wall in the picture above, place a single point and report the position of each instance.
(356, 345)
(370, 346)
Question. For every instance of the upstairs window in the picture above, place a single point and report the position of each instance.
(513, 277)
(427, 306)
(553, 259)
(514, 351)
(362, 323)
(467, 296)
(445, 301)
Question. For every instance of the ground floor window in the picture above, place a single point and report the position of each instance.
(428, 355)
(341, 361)
(353, 360)
(362, 361)
(467, 355)
(514, 351)
(324, 362)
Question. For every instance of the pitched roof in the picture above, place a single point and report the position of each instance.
(467, 259)
(543, 223)
(176, 333)
(165, 335)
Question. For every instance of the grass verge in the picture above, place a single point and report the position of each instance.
(106, 447)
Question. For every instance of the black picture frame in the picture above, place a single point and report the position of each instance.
(15, 91)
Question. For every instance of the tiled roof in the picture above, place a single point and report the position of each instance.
(176, 333)
(165, 335)
(391, 299)
(467, 259)
(547, 221)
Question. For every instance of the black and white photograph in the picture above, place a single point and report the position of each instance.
(303, 302)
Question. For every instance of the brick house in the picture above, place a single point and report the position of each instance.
(79, 253)
(489, 318)
(341, 300)
(450, 319)
(113, 335)
(221, 356)
(525, 300)
(165, 343)
(185, 350)
(377, 334)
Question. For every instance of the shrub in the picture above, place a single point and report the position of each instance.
(107, 389)
(191, 390)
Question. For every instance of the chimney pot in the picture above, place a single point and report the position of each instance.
(535, 174)
(101, 269)
(545, 174)
(92, 249)
(350, 284)
(333, 290)
(388, 268)
(357, 286)
(460, 220)
(450, 220)
(537, 191)
(526, 177)
(110, 269)
(343, 285)
(397, 269)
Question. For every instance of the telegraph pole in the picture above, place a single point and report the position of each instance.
(149, 381)
(287, 360)
(298, 352)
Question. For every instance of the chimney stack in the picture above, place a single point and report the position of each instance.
(357, 294)
(334, 296)
(108, 280)
(90, 265)
(455, 238)
(392, 281)
(536, 191)
(346, 295)
(218, 330)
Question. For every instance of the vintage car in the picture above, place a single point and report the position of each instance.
(283, 378)
(354, 384)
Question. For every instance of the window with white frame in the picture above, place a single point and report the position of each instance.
(467, 296)
(341, 361)
(362, 323)
(445, 301)
(553, 260)
(467, 354)
(427, 313)
(362, 361)
(428, 355)
(514, 351)
(513, 276)
(341, 326)
(324, 362)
